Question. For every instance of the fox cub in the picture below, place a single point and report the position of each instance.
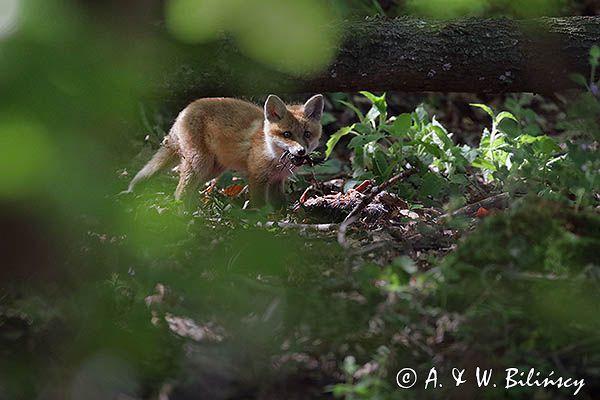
(213, 135)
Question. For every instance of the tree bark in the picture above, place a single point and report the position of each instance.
(408, 54)
(480, 56)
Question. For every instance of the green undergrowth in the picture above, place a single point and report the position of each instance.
(519, 288)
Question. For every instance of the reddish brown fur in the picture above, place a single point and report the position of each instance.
(216, 134)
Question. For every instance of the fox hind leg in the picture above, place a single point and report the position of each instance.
(191, 176)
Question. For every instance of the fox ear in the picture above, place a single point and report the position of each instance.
(275, 108)
(313, 108)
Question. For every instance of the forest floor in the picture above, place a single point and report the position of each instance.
(350, 285)
(359, 278)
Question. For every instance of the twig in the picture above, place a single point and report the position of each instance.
(497, 201)
(375, 190)
(369, 247)
(291, 225)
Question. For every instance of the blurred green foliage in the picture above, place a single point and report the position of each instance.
(447, 9)
(79, 263)
(296, 37)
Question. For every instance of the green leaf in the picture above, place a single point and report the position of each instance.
(504, 115)
(484, 108)
(373, 114)
(364, 129)
(361, 140)
(483, 164)
(546, 145)
(401, 125)
(378, 101)
(526, 139)
(579, 79)
(327, 118)
(329, 167)
(459, 180)
(431, 185)
(595, 55)
(421, 113)
(341, 390)
(333, 139)
(511, 128)
(379, 108)
(359, 114)
(429, 148)
(499, 142)
(381, 163)
(442, 134)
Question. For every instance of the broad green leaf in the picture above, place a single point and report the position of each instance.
(546, 145)
(361, 140)
(401, 125)
(504, 115)
(381, 163)
(499, 142)
(533, 130)
(364, 129)
(379, 108)
(459, 179)
(484, 108)
(431, 184)
(468, 153)
(579, 79)
(442, 134)
(526, 139)
(330, 167)
(483, 164)
(429, 148)
(378, 101)
(333, 139)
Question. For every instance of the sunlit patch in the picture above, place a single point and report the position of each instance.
(27, 156)
(535, 8)
(293, 37)
(104, 376)
(446, 8)
(158, 217)
(9, 17)
(197, 21)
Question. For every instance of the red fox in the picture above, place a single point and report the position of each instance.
(213, 135)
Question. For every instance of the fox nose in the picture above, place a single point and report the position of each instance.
(301, 152)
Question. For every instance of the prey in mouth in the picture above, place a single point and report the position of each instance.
(289, 161)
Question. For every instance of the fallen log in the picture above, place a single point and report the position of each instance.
(409, 54)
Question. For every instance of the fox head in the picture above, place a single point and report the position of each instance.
(295, 129)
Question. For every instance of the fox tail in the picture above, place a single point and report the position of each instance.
(164, 157)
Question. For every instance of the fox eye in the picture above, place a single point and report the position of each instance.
(287, 134)
(307, 134)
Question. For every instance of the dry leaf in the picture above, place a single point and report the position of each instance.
(233, 190)
(482, 212)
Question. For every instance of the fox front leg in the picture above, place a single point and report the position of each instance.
(258, 193)
(275, 195)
